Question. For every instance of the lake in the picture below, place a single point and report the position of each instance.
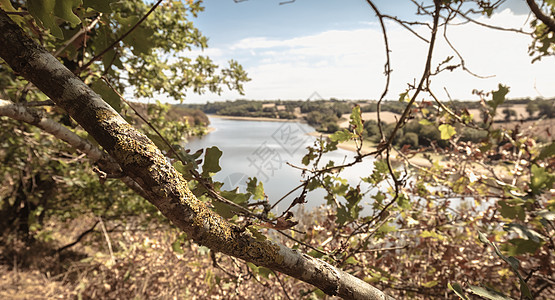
(262, 149)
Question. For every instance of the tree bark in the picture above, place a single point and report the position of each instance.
(163, 186)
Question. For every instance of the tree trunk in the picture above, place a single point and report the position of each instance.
(164, 187)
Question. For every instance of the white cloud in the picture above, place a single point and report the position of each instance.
(349, 64)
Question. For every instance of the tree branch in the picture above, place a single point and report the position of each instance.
(549, 22)
(166, 188)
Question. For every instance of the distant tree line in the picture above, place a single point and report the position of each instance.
(325, 115)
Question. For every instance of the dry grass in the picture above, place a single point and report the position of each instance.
(143, 266)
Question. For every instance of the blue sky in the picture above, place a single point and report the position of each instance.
(335, 47)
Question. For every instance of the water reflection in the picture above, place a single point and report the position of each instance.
(263, 149)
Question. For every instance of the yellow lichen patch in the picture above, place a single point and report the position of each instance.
(104, 115)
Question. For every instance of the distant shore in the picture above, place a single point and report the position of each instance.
(349, 145)
(252, 118)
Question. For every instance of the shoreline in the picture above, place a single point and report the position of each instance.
(263, 119)
(348, 145)
(367, 147)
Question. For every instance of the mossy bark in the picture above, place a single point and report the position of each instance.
(164, 187)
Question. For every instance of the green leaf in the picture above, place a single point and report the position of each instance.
(99, 5)
(315, 254)
(264, 272)
(46, 11)
(342, 136)
(7, 6)
(224, 210)
(352, 261)
(342, 215)
(524, 231)
(447, 131)
(521, 246)
(432, 234)
(211, 161)
(107, 93)
(259, 270)
(455, 287)
(430, 284)
(235, 197)
(257, 190)
(257, 234)
(404, 97)
(385, 228)
(403, 201)
(177, 244)
(425, 122)
(498, 96)
(541, 179)
(42, 11)
(488, 293)
(64, 10)
(139, 38)
(510, 211)
(313, 184)
(356, 120)
(547, 151)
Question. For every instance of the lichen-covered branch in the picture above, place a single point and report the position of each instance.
(164, 187)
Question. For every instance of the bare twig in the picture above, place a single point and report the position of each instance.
(281, 283)
(407, 25)
(463, 65)
(387, 65)
(107, 239)
(425, 75)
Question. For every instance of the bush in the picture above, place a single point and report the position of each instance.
(330, 127)
(473, 135)
(428, 134)
(409, 138)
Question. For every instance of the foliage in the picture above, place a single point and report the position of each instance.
(44, 179)
(477, 207)
(543, 43)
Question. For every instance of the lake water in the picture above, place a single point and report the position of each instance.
(262, 149)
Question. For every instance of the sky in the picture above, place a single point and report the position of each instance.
(335, 48)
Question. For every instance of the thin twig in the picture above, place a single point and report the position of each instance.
(407, 25)
(304, 244)
(107, 239)
(387, 66)
(282, 285)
